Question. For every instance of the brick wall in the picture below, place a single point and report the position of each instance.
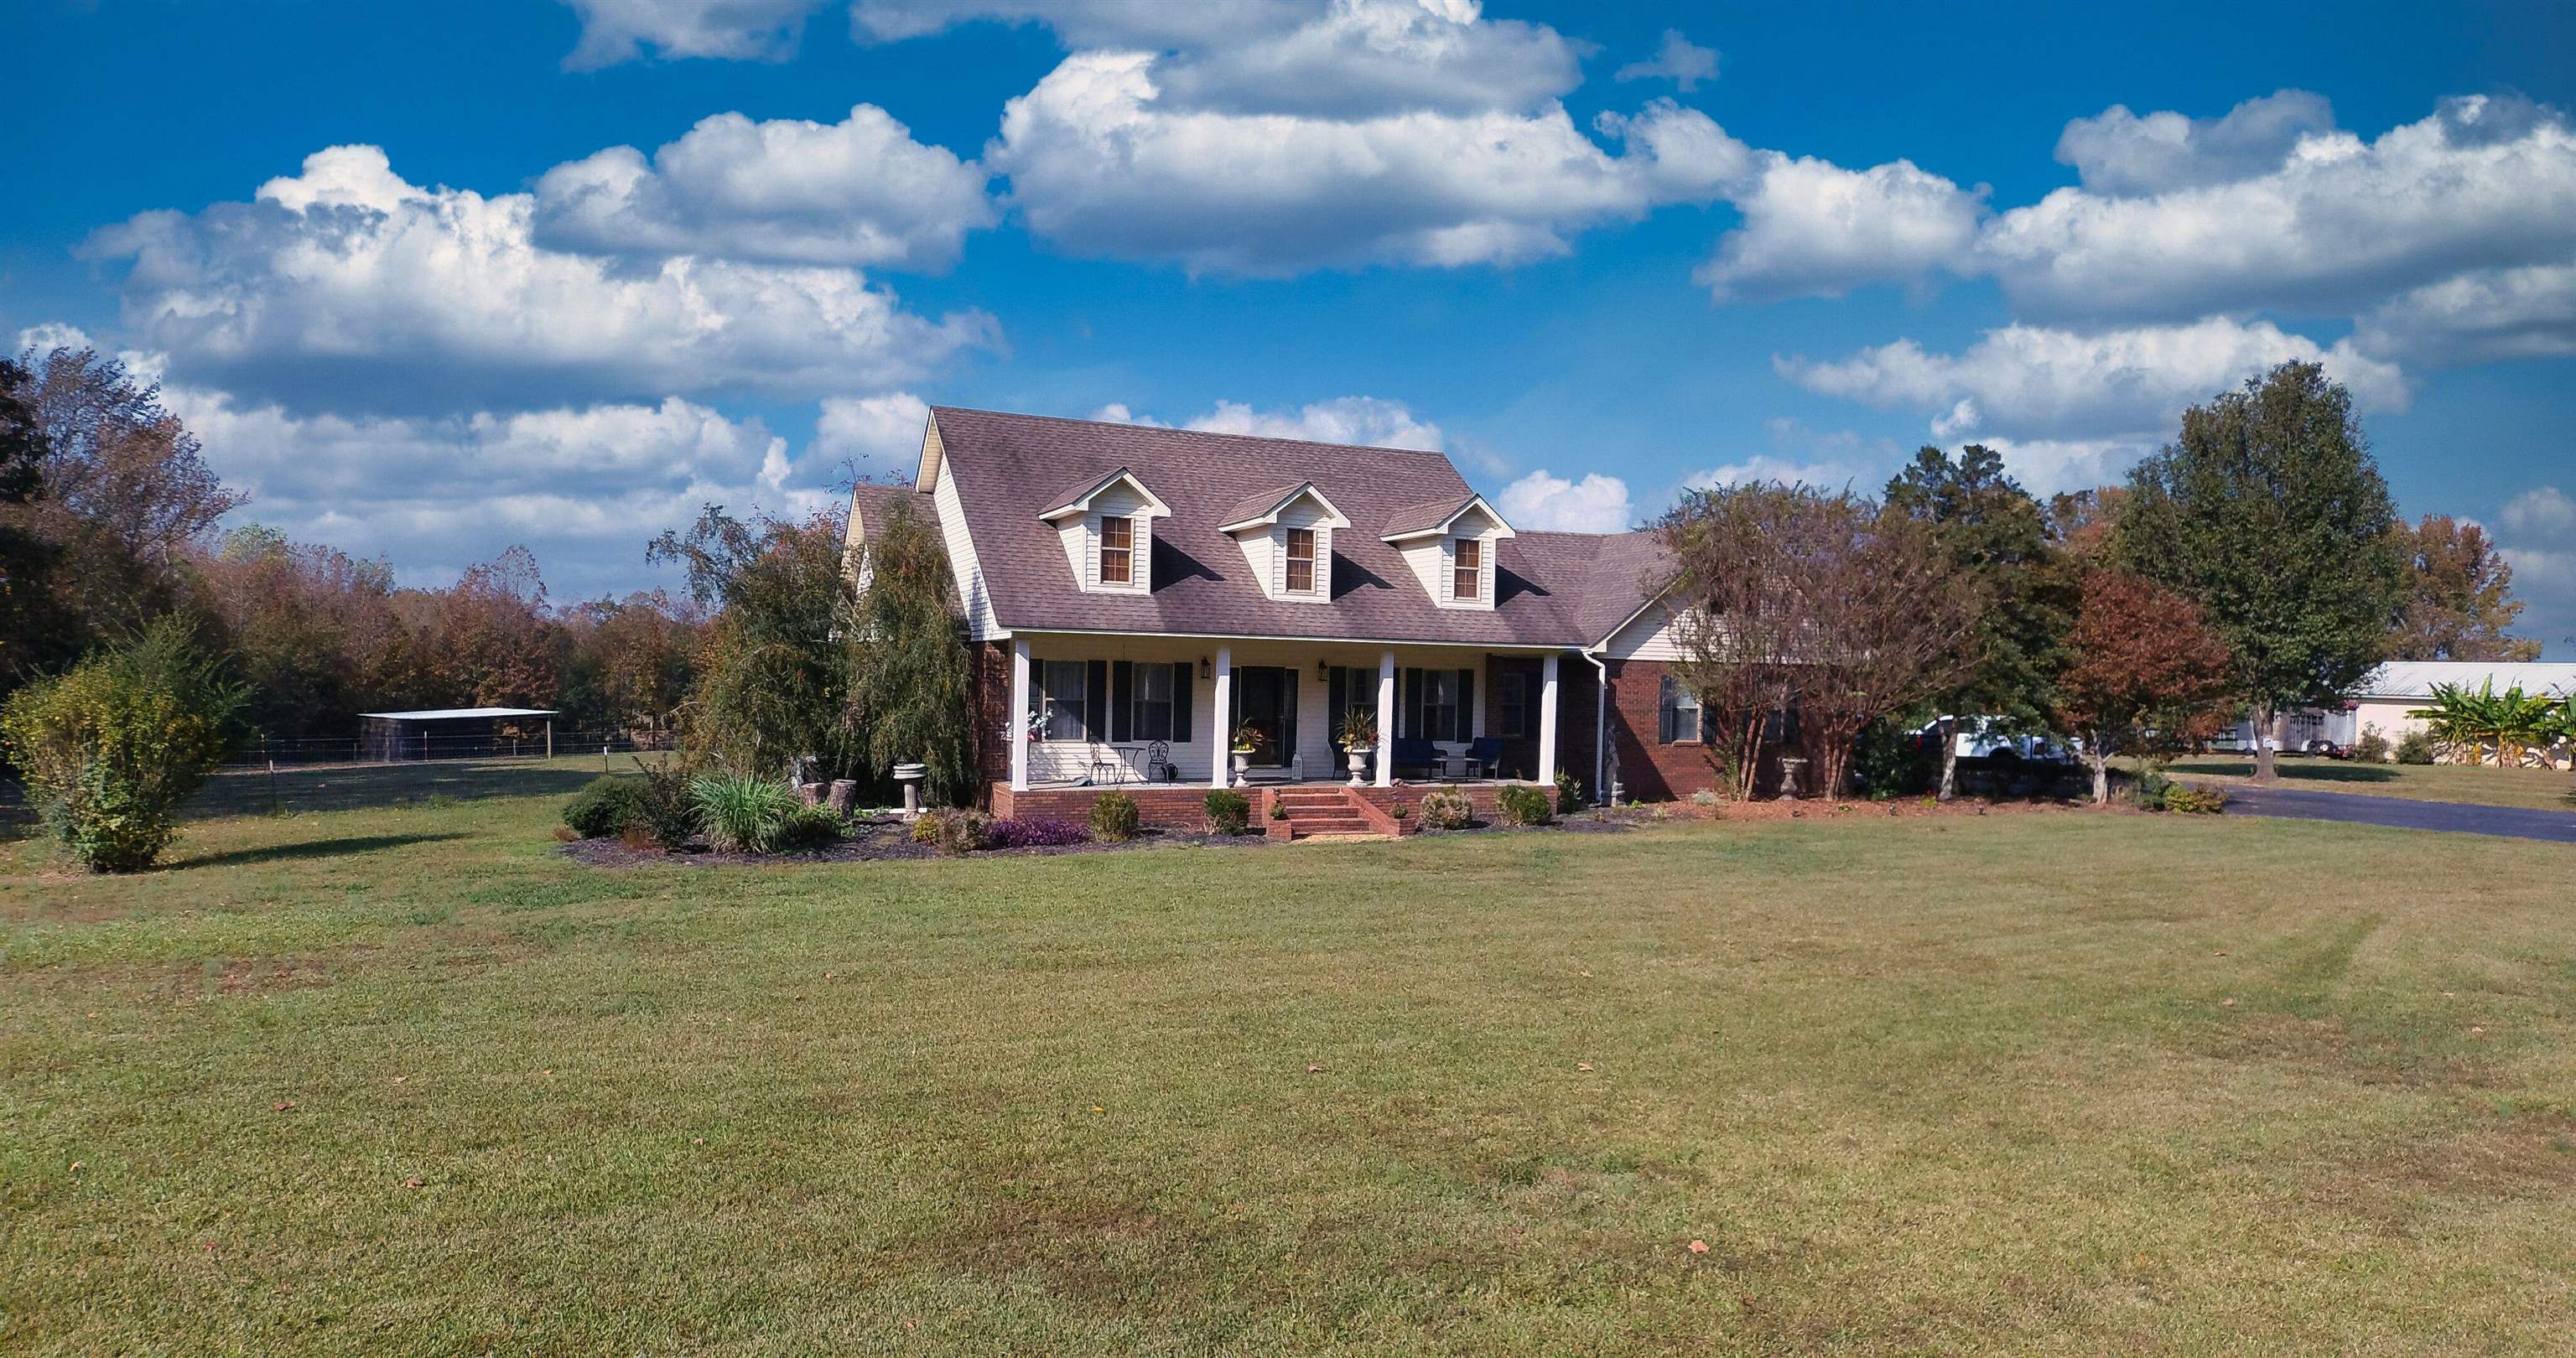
(1181, 806)
(1649, 770)
(988, 707)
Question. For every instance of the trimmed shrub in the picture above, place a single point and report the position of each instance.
(964, 831)
(2196, 799)
(666, 805)
(2151, 790)
(1569, 793)
(1114, 817)
(2372, 748)
(925, 827)
(1038, 832)
(602, 807)
(806, 828)
(1523, 805)
(1228, 812)
(1887, 761)
(1447, 810)
(110, 749)
(2416, 747)
(742, 813)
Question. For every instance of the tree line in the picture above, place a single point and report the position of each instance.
(110, 519)
(2253, 565)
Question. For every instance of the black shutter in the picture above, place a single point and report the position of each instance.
(1336, 693)
(1412, 714)
(1122, 700)
(1095, 700)
(1181, 734)
(1466, 706)
(1287, 750)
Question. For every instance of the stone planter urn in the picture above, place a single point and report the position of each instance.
(843, 796)
(1359, 763)
(910, 775)
(1790, 772)
(1242, 764)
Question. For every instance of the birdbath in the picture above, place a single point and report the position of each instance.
(910, 775)
(1789, 771)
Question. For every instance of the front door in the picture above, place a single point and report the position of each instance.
(1265, 699)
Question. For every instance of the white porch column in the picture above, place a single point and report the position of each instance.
(1386, 718)
(1547, 719)
(1221, 718)
(1018, 722)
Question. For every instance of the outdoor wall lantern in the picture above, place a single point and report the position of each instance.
(1204, 668)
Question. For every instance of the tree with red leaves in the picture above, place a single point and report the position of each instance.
(2147, 677)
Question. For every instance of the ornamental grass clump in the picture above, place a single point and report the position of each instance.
(1115, 818)
(805, 829)
(742, 813)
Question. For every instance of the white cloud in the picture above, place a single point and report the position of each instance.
(582, 487)
(1544, 500)
(856, 192)
(2546, 514)
(876, 434)
(1765, 468)
(1363, 420)
(2046, 467)
(2033, 382)
(1814, 229)
(1101, 166)
(2340, 225)
(743, 30)
(1678, 59)
(347, 288)
(2478, 317)
(2119, 153)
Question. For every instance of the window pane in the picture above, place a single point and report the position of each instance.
(1511, 694)
(1064, 697)
(1470, 562)
(1301, 560)
(1117, 540)
(1153, 702)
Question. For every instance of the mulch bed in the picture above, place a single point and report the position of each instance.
(873, 841)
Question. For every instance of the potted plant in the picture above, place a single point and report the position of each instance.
(1359, 741)
(1248, 741)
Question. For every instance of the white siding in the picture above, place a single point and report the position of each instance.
(1652, 635)
(1305, 513)
(1427, 559)
(980, 622)
(1258, 557)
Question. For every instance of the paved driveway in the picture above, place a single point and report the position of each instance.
(2359, 809)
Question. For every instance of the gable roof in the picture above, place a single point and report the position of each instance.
(1007, 469)
(1089, 488)
(1262, 507)
(1435, 516)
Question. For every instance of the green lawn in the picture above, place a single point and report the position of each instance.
(2055, 1083)
(2484, 785)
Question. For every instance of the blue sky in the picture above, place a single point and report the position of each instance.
(432, 280)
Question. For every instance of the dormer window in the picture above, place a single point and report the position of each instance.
(1287, 540)
(1301, 561)
(1117, 551)
(1450, 545)
(1467, 571)
(1107, 525)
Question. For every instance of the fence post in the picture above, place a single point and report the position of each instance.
(424, 744)
(550, 737)
(603, 756)
(272, 780)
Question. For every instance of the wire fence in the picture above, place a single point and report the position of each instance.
(431, 747)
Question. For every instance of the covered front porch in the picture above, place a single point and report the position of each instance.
(1144, 712)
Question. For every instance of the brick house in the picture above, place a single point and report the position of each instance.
(1135, 595)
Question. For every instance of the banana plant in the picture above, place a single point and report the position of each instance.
(2513, 722)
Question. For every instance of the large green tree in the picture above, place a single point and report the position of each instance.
(2269, 513)
(1996, 536)
(36, 633)
(2459, 596)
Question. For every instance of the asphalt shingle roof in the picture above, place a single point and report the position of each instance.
(1555, 588)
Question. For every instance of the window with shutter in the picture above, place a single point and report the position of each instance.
(1062, 691)
(1677, 713)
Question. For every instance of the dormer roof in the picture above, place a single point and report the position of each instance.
(1263, 508)
(1431, 518)
(1079, 499)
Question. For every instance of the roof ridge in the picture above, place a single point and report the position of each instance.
(1202, 433)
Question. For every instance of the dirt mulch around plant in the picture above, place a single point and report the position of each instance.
(873, 841)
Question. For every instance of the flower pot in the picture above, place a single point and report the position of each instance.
(1359, 763)
(1242, 764)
